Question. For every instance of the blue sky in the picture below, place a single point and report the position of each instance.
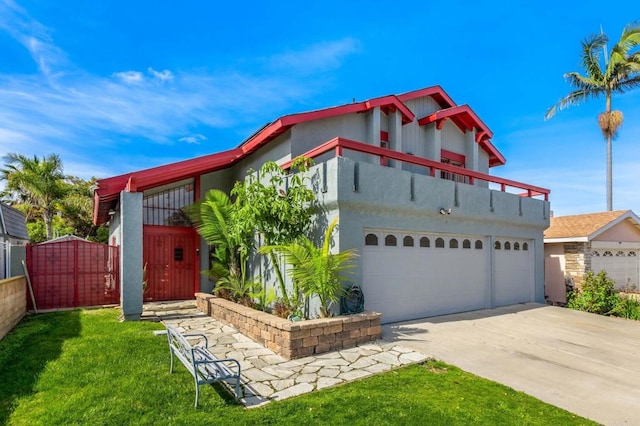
(119, 86)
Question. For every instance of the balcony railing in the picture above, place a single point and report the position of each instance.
(338, 145)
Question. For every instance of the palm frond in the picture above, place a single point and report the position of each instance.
(590, 58)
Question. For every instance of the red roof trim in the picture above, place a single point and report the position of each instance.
(466, 119)
(436, 92)
(281, 125)
(108, 191)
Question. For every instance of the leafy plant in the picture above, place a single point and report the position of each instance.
(215, 219)
(596, 295)
(627, 307)
(278, 213)
(316, 270)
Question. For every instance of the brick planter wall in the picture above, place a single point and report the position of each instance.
(293, 339)
(13, 303)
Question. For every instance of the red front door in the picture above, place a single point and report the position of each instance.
(170, 260)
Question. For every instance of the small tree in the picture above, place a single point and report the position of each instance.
(278, 214)
(316, 270)
(596, 295)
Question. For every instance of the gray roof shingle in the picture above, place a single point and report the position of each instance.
(13, 222)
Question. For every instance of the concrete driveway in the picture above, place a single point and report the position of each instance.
(587, 364)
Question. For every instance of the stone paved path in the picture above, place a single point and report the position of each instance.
(267, 376)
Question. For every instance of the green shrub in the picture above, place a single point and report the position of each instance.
(627, 307)
(596, 295)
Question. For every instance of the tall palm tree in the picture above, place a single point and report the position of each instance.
(621, 72)
(38, 182)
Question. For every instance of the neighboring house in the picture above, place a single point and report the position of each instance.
(408, 176)
(13, 239)
(574, 245)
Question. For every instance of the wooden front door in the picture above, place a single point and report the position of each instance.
(170, 260)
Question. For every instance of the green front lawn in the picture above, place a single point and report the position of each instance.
(84, 367)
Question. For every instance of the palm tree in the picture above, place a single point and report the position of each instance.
(621, 72)
(315, 270)
(38, 182)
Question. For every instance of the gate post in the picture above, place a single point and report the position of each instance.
(131, 255)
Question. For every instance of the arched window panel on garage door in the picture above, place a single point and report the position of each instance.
(425, 242)
(478, 245)
(439, 242)
(371, 240)
(453, 243)
(466, 244)
(390, 241)
(407, 241)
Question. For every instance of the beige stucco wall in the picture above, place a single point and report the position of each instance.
(554, 273)
(13, 303)
(624, 231)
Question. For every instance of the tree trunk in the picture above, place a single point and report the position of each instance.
(47, 216)
(609, 162)
(609, 176)
(283, 288)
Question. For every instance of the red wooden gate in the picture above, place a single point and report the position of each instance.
(73, 273)
(170, 260)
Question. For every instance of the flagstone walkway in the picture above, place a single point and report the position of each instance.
(268, 376)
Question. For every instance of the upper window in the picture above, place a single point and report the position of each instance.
(478, 244)
(407, 241)
(516, 246)
(466, 244)
(497, 245)
(507, 245)
(439, 243)
(424, 242)
(453, 243)
(165, 208)
(525, 246)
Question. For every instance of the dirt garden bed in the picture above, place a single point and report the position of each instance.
(294, 339)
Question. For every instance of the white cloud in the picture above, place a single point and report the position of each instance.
(320, 56)
(193, 139)
(129, 77)
(164, 75)
(66, 110)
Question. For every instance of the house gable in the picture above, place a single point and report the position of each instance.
(625, 230)
(583, 227)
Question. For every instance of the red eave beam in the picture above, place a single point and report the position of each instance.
(437, 93)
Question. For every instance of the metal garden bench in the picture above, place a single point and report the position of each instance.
(204, 366)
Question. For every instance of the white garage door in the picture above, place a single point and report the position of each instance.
(514, 278)
(621, 265)
(414, 275)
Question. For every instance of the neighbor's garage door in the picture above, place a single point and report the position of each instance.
(621, 265)
(514, 278)
(412, 275)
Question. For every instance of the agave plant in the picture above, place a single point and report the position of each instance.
(315, 270)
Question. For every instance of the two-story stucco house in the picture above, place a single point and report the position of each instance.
(408, 176)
